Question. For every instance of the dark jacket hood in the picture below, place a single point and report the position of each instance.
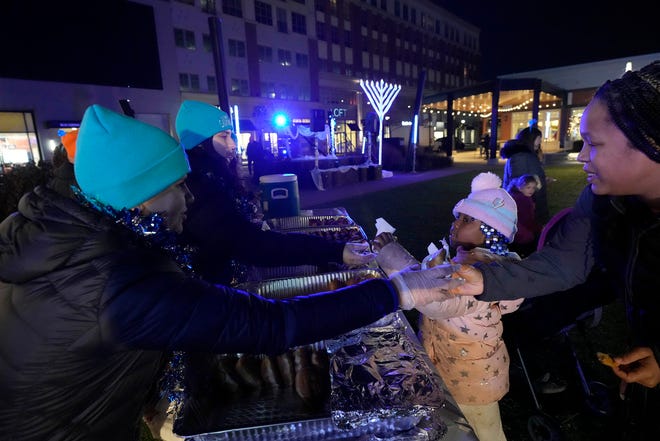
(59, 227)
(513, 147)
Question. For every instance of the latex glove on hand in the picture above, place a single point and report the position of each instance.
(393, 258)
(381, 240)
(418, 288)
(357, 253)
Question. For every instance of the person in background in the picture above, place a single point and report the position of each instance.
(97, 291)
(522, 159)
(224, 237)
(462, 335)
(63, 156)
(522, 190)
(254, 153)
(615, 223)
(484, 146)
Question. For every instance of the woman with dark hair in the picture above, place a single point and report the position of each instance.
(522, 158)
(615, 225)
(218, 222)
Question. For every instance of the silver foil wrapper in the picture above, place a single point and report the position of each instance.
(381, 375)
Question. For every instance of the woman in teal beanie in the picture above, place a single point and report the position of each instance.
(96, 292)
(217, 225)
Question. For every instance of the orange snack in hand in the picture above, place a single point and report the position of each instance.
(606, 359)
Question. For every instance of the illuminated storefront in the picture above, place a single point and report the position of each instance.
(18, 139)
(500, 108)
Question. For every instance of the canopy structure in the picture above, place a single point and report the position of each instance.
(491, 98)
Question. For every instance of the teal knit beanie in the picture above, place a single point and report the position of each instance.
(123, 162)
(197, 121)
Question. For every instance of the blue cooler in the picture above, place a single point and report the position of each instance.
(279, 195)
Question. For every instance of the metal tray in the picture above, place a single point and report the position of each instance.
(346, 233)
(288, 223)
(259, 273)
(296, 286)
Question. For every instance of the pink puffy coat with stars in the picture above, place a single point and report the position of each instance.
(463, 338)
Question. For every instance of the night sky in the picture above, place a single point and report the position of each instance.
(519, 36)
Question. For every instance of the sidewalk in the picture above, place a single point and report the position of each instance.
(463, 162)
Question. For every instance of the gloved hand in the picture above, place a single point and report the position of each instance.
(381, 240)
(420, 287)
(357, 253)
(393, 258)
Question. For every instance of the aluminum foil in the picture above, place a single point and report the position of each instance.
(379, 374)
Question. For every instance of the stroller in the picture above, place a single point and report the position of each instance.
(555, 315)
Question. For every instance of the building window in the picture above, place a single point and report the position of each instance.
(302, 2)
(211, 84)
(334, 34)
(284, 57)
(320, 30)
(304, 93)
(206, 41)
(232, 7)
(347, 38)
(187, 2)
(397, 8)
(383, 5)
(236, 48)
(265, 54)
(208, 6)
(283, 92)
(263, 13)
(282, 25)
(302, 60)
(239, 87)
(188, 82)
(298, 23)
(184, 38)
(267, 90)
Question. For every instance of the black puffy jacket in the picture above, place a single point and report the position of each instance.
(220, 232)
(87, 311)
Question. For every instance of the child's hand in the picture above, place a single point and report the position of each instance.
(468, 257)
(381, 240)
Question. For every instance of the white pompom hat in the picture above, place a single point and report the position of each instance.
(490, 204)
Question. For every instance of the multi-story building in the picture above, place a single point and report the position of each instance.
(275, 56)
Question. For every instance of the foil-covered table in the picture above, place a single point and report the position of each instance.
(384, 388)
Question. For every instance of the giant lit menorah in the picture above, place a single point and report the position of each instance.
(381, 95)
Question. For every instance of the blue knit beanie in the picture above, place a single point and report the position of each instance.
(197, 121)
(123, 162)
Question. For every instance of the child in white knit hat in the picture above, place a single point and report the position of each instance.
(462, 335)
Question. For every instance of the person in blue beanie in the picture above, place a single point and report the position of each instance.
(217, 224)
(96, 291)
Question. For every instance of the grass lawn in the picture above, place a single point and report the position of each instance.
(422, 212)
